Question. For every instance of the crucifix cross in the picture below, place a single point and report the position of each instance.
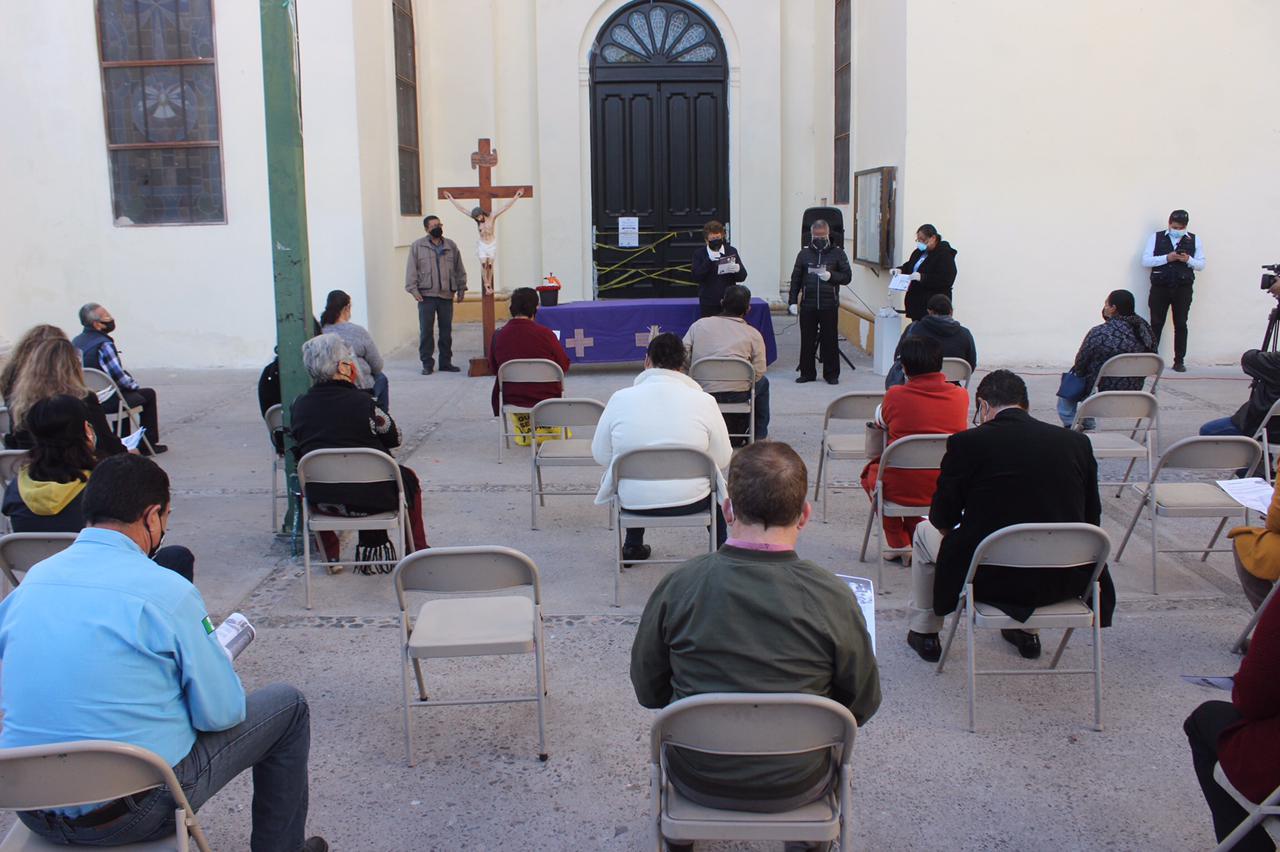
(484, 160)
(579, 343)
(644, 338)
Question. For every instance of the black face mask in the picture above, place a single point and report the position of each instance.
(715, 244)
(155, 547)
(108, 326)
(436, 232)
(821, 242)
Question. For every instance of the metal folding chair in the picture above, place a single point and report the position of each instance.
(274, 420)
(716, 369)
(910, 452)
(957, 370)
(105, 388)
(565, 415)
(1266, 813)
(521, 370)
(1262, 437)
(20, 551)
(1238, 647)
(1036, 546)
(859, 406)
(1196, 499)
(1116, 442)
(469, 626)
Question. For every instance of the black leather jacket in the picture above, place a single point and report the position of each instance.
(819, 294)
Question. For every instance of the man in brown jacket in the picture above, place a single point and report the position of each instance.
(435, 277)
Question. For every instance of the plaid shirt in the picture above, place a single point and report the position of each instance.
(110, 361)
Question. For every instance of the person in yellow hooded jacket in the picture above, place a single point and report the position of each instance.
(1257, 554)
(47, 494)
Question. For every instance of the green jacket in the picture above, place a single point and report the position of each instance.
(753, 621)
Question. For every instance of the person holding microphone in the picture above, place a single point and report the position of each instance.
(931, 268)
(820, 271)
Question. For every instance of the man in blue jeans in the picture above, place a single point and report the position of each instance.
(101, 643)
(1264, 369)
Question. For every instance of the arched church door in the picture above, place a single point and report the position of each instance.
(659, 144)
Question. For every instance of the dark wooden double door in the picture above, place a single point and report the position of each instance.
(660, 152)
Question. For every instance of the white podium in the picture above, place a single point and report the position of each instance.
(888, 331)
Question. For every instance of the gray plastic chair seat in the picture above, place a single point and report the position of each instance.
(1060, 615)
(378, 520)
(1115, 445)
(701, 519)
(846, 446)
(818, 820)
(568, 450)
(1192, 498)
(474, 627)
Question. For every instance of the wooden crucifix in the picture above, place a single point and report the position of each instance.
(485, 217)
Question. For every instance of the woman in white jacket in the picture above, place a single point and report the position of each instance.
(663, 406)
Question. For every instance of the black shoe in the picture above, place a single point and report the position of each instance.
(834, 381)
(926, 645)
(802, 379)
(449, 368)
(315, 844)
(635, 553)
(156, 449)
(1028, 644)
(428, 369)
(1179, 367)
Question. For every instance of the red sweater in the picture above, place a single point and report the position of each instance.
(926, 405)
(524, 338)
(1249, 750)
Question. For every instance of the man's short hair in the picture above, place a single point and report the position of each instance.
(666, 352)
(122, 487)
(767, 484)
(920, 355)
(736, 300)
(713, 227)
(939, 304)
(1179, 217)
(1001, 388)
(426, 220)
(817, 224)
(89, 314)
(524, 302)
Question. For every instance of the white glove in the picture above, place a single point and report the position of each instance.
(824, 275)
(915, 276)
(793, 309)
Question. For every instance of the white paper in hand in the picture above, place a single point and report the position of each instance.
(727, 267)
(899, 282)
(864, 590)
(1252, 493)
(133, 439)
(235, 634)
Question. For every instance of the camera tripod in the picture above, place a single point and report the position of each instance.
(1271, 339)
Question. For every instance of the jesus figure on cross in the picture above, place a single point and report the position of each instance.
(487, 225)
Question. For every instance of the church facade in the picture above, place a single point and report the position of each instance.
(1044, 143)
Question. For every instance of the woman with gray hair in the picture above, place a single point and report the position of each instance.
(335, 414)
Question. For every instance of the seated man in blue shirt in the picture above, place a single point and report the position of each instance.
(101, 643)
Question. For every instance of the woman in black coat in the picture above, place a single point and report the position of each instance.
(932, 268)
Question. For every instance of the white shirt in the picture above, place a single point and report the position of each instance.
(714, 255)
(1151, 259)
(661, 407)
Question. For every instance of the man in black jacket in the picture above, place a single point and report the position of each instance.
(955, 339)
(932, 269)
(1264, 369)
(1012, 469)
(820, 270)
(714, 268)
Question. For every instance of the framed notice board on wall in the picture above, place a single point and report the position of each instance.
(873, 194)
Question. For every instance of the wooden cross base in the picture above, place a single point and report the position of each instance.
(480, 366)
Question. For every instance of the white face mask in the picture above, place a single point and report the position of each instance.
(1176, 234)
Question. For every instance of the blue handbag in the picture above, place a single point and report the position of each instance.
(1072, 388)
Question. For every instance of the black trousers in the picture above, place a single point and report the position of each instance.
(1160, 301)
(635, 535)
(818, 333)
(177, 559)
(1203, 726)
(708, 309)
(146, 397)
(429, 309)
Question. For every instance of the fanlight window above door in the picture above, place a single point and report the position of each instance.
(658, 33)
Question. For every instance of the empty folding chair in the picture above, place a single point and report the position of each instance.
(1266, 813)
(752, 725)
(1036, 546)
(565, 415)
(739, 371)
(107, 391)
(353, 466)
(1114, 441)
(658, 463)
(469, 626)
(1201, 498)
(521, 370)
(274, 420)
(84, 772)
(957, 370)
(1263, 437)
(841, 446)
(910, 452)
(20, 551)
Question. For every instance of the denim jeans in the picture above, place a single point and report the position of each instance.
(381, 391)
(273, 739)
(1067, 413)
(762, 405)
(1221, 426)
(428, 310)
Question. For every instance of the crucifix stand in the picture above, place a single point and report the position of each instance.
(483, 160)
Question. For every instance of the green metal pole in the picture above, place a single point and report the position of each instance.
(282, 90)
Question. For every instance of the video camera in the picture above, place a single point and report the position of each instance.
(1270, 277)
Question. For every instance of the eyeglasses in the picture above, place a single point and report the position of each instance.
(977, 410)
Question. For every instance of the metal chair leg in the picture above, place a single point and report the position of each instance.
(422, 685)
(1205, 556)
(1062, 646)
(404, 696)
(1133, 522)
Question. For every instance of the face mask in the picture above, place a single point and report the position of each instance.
(155, 548)
(821, 242)
(108, 326)
(1176, 234)
(715, 244)
(436, 232)
(922, 246)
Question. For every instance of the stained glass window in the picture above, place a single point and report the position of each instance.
(160, 99)
(659, 33)
(844, 101)
(407, 108)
